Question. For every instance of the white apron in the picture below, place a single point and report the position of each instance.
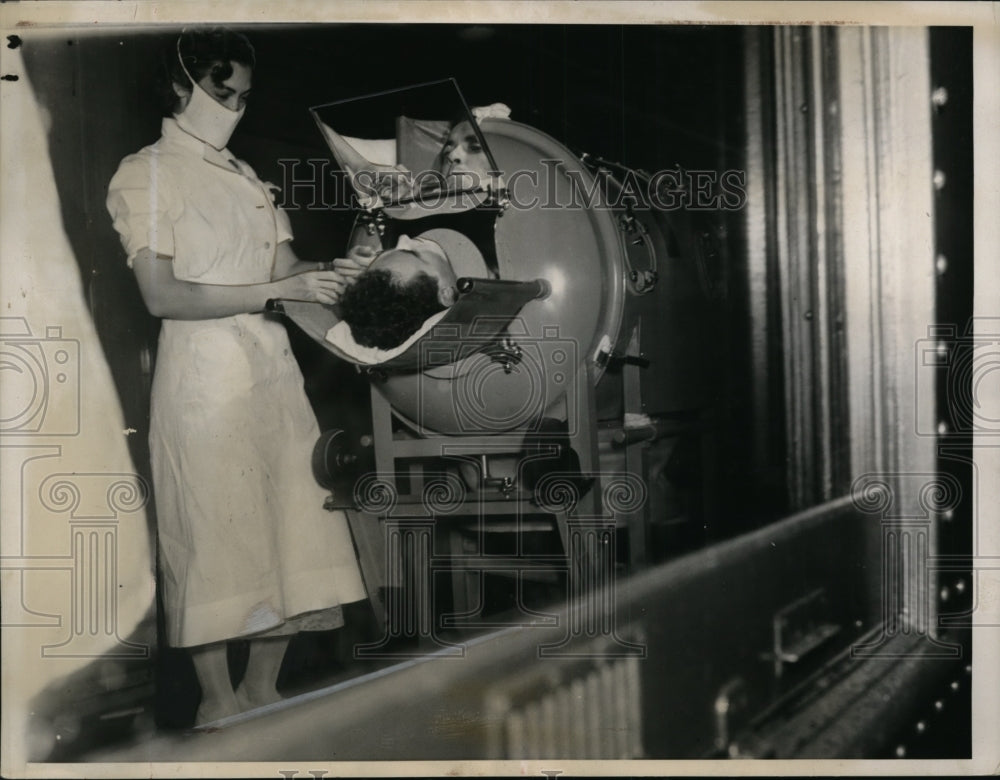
(244, 542)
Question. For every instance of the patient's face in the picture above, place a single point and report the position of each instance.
(462, 153)
(413, 256)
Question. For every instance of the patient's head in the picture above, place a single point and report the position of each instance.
(400, 289)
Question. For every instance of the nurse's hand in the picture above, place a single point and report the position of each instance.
(357, 261)
(313, 286)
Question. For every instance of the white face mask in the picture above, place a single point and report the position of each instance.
(204, 117)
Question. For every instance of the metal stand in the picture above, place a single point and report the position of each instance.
(396, 511)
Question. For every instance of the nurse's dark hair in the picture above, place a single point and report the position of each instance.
(383, 313)
(205, 50)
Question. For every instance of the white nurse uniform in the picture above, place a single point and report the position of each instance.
(244, 542)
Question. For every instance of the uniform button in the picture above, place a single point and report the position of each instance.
(267, 245)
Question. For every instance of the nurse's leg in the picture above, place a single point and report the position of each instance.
(217, 697)
(259, 685)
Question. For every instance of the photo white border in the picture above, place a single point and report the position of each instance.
(983, 16)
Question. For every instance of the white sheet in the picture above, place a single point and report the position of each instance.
(341, 337)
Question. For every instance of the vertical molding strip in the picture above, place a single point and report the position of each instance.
(800, 248)
(756, 221)
(783, 145)
(821, 294)
(860, 229)
(837, 378)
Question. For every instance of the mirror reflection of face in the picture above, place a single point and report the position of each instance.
(462, 153)
(414, 256)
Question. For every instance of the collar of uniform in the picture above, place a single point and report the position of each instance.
(173, 133)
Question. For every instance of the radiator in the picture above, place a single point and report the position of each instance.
(587, 709)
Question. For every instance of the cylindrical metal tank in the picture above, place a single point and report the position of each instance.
(608, 267)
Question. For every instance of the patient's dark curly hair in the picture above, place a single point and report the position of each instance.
(384, 314)
(204, 50)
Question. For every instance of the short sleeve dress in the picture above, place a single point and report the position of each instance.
(245, 546)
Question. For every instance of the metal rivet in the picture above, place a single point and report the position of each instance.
(858, 624)
(942, 427)
(968, 668)
(941, 348)
(941, 264)
(960, 586)
(939, 180)
(939, 705)
(948, 514)
(939, 96)
(945, 593)
(808, 315)
(921, 727)
(900, 751)
(954, 685)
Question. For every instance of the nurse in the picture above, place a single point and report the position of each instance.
(246, 549)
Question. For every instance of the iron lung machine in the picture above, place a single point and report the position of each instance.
(554, 394)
